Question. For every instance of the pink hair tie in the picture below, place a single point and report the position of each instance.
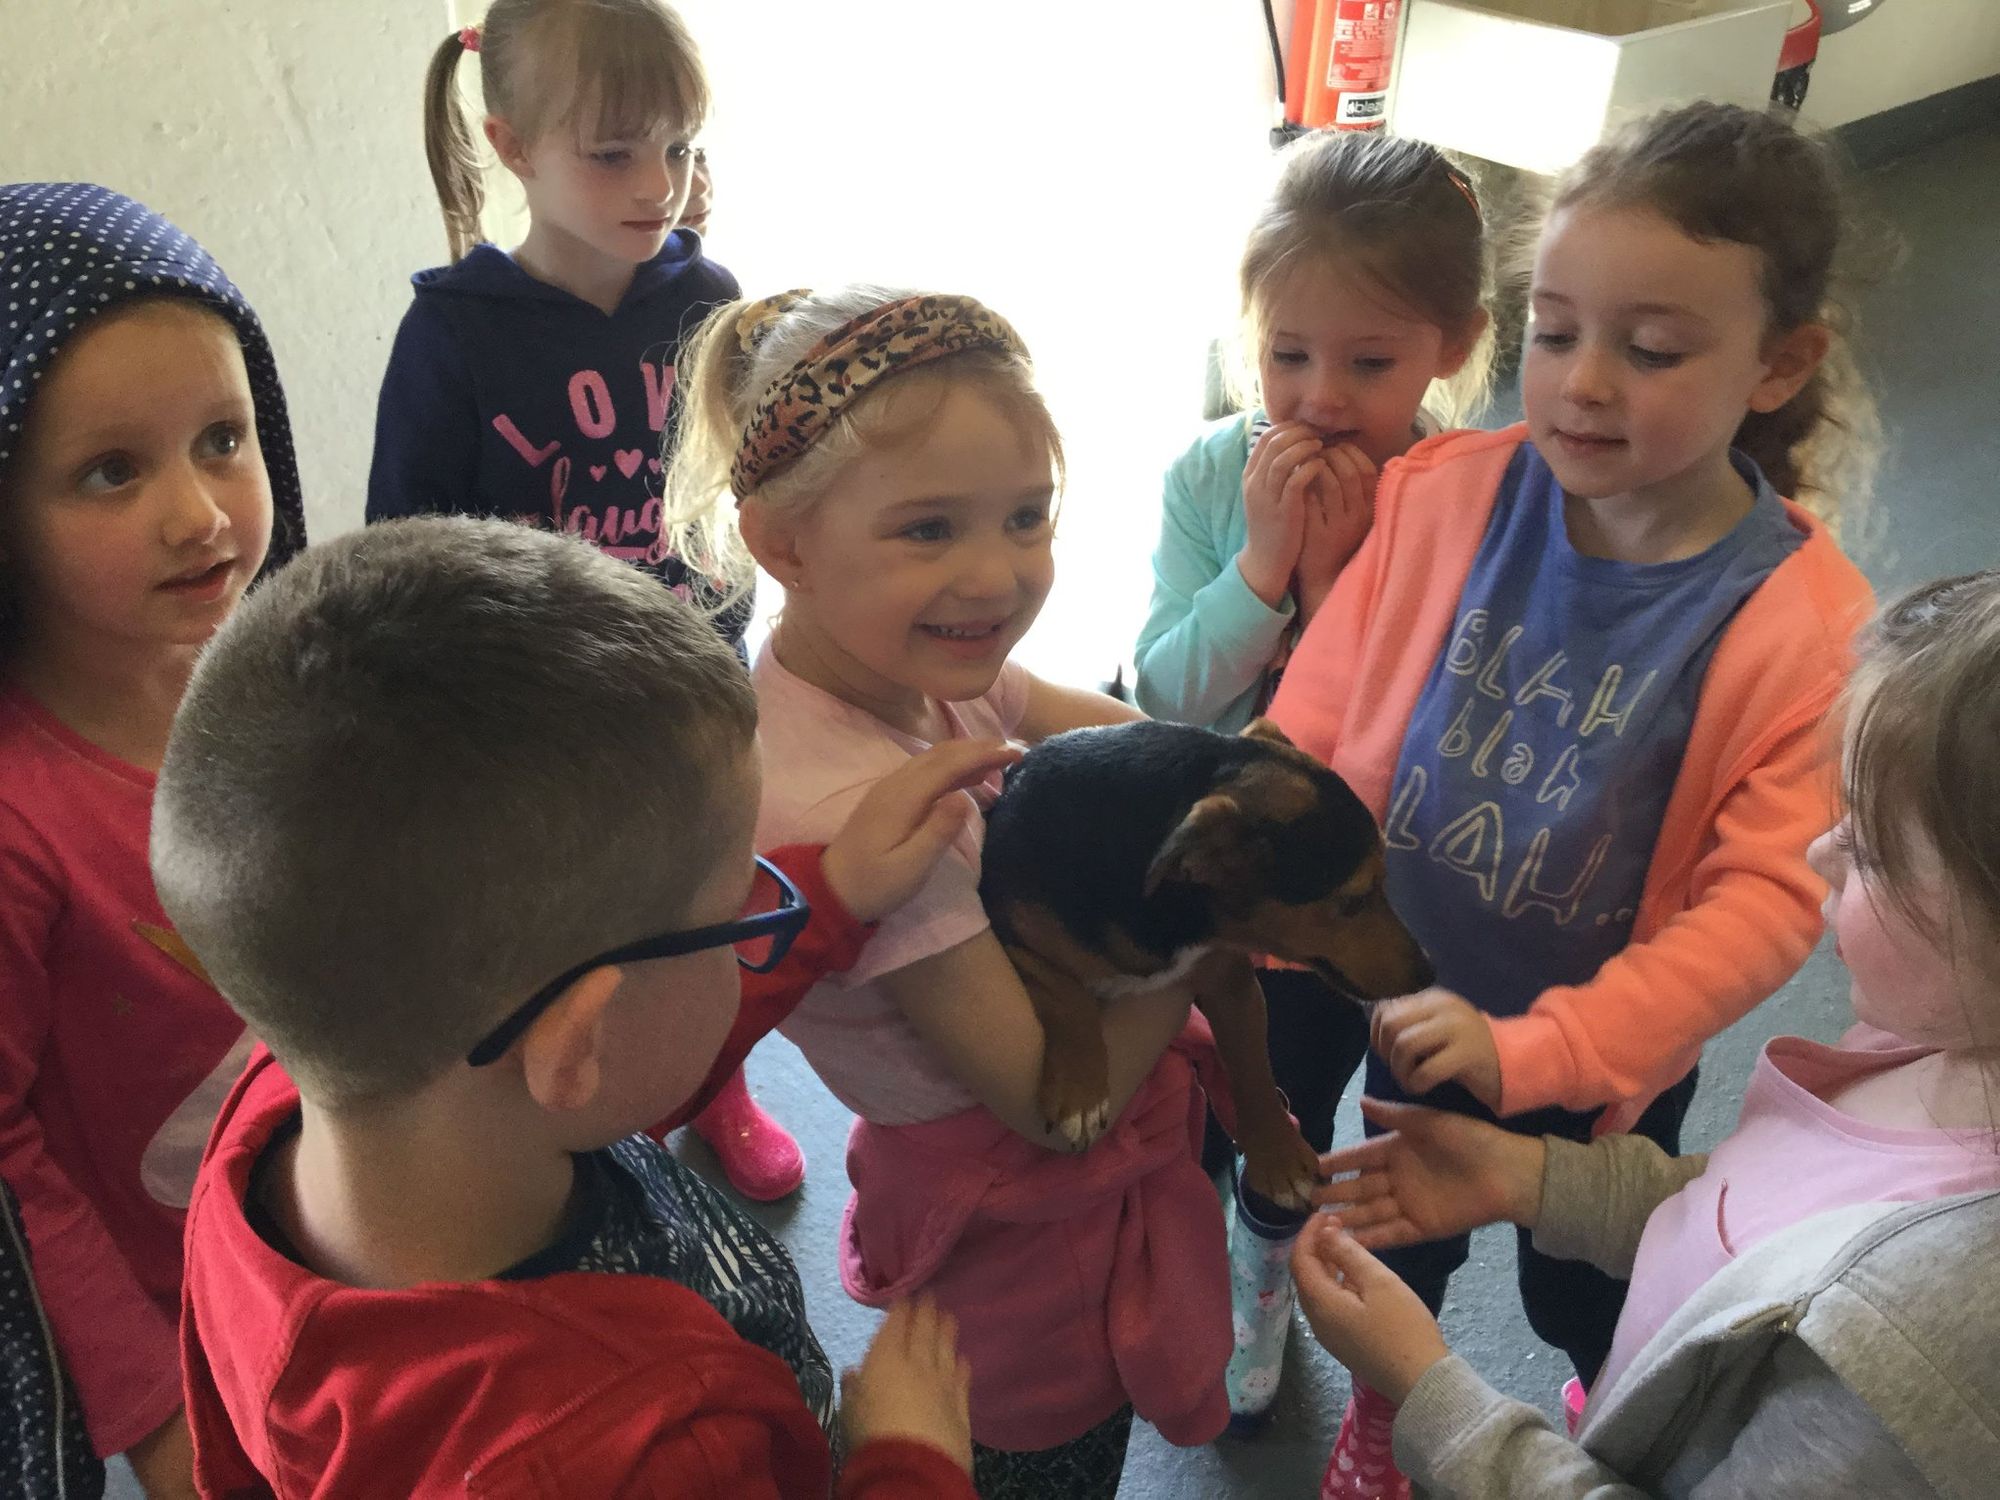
(469, 39)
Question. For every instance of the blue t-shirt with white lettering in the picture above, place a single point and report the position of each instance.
(1536, 770)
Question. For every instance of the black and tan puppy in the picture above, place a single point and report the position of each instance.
(1148, 854)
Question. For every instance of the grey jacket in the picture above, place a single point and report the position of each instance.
(1855, 1354)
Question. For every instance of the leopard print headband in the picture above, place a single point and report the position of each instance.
(800, 405)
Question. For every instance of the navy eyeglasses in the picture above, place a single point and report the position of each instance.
(777, 915)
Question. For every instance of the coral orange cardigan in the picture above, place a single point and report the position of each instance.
(1730, 909)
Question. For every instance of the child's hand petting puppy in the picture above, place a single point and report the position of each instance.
(911, 1384)
(887, 846)
(1434, 1037)
(1362, 1311)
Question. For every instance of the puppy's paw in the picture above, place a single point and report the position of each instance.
(1073, 1096)
(1281, 1167)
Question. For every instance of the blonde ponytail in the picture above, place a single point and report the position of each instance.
(452, 150)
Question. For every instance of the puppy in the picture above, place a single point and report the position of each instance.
(1148, 854)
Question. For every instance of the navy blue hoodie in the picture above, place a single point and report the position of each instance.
(508, 397)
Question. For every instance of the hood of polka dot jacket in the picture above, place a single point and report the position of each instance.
(68, 251)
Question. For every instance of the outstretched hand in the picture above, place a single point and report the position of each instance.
(1433, 1174)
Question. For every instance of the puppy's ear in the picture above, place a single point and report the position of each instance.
(1210, 847)
(1264, 729)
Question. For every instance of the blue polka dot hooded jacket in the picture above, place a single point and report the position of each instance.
(69, 251)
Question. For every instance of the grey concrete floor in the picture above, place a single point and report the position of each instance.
(1930, 340)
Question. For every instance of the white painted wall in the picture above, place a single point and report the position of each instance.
(1907, 50)
(286, 136)
(1088, 168)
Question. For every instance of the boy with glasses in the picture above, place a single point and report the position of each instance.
(425, 769)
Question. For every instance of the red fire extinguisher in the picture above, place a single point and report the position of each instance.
(1337, 71)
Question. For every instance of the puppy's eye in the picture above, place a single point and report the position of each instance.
(1350, 906)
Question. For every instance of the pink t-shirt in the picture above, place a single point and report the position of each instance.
(821, 755)
(1791, 1156)
(115, 1053)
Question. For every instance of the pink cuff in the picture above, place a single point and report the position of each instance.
(1536, 1069)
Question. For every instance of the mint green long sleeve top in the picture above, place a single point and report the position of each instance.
(1208, 638)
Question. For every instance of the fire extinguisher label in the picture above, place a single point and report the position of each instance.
(1362, 109)
(1364, 38)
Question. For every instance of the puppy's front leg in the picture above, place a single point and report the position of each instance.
(1075, 1091)
(1278, 1162)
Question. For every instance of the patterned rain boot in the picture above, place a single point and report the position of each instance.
(758, 1155)
(1260, 1305)
(1363, 1466)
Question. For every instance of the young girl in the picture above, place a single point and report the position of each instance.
(1579, 668)
(146, 475)
(1363, 290)
(537, 385)
(893, 468)
(1795, 1326)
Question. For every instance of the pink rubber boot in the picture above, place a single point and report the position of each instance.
(1574, 1396)
(758, 1155)
(1363, 1466)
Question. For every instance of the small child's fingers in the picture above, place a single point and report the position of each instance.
(1440, 1067)
(1343, 463)
(942, 1342)
(954, 766)
(1356, 1264)
(1359, 1157)
(1369, 1215)
(940, 826)
(923, 1316)
(1354, 1193)
(1391, 1234)
(947, 818)
(1313, 1268)
(1355, 467)
(933, 1332)
(892, 1339)
(1391, 1114)
(1298, 488)
(1301, 446)
(1411, 1051)
(1312, 1237)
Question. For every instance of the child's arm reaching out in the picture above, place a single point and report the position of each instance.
(1433, 1173)
(1807, 1433)
(1752, 917)
(907, 1411)
(880, 857)
(968, 1002)
(885, 850)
